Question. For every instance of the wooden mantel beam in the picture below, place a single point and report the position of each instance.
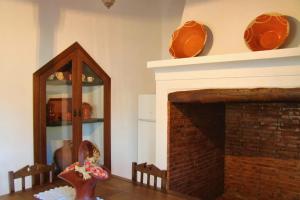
(236, 95)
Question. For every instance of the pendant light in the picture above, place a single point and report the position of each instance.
(108, 3)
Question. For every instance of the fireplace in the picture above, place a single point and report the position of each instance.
(272, 69)
(235, 143)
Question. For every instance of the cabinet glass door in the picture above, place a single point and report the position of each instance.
(92, 109)
(59, 117)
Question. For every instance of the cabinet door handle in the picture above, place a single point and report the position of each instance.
(79, 113)
(74, 113)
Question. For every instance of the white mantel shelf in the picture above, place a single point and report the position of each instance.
(226, 58)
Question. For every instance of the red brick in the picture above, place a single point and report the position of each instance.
(252, 150)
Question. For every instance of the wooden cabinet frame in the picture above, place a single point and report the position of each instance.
(77, 55)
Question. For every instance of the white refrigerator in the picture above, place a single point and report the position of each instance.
(146, 128)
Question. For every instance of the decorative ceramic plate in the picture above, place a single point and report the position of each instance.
(188, 40)
(266, 32)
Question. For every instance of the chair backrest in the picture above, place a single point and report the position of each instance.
(33, 171)
(149, 170)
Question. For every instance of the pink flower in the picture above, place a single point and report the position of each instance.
(71, 167)
(87, 163)
(88, 169)
(98, 172)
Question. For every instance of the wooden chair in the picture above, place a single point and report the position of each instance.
(33, 171)
(149, 170)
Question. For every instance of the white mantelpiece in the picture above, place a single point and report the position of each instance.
(269, 69)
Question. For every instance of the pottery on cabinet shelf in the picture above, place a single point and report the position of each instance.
(90, 79)
(50, 112)
(58, 109)
(67, 116)
(59, 75)
(63, 155)
(86, 111)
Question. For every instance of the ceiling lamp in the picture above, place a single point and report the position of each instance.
(108, 3)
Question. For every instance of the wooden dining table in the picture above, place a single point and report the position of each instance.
(115, 188)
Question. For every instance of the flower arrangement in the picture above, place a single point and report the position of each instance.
(90, 167)
(84, 174)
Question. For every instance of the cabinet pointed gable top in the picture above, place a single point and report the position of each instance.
(75, 48)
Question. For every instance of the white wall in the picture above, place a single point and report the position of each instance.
(228, 19)
(121, 40)
(172, 11)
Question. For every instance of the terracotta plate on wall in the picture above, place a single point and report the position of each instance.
(266, 32)
(188, 40)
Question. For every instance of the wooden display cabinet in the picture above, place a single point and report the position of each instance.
(61, 87)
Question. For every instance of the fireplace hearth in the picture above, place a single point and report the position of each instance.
(235, 143)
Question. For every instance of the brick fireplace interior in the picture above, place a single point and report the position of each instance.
(235, 144)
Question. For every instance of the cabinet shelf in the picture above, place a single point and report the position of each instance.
(68, 123)
(68, 82)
